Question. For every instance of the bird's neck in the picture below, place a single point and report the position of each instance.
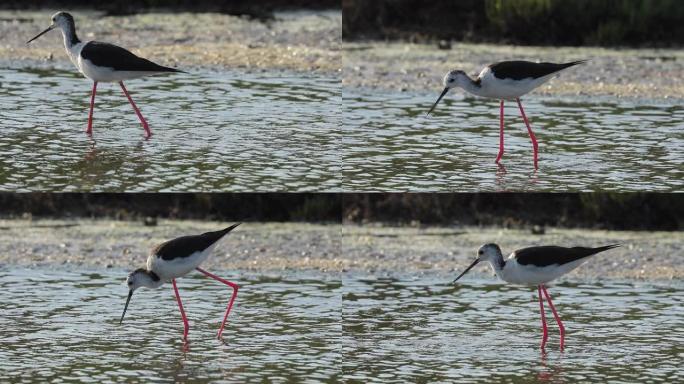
(153, 280)
(69, 35)
(498, 263)
(471, 86)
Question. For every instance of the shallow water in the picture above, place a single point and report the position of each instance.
(58, 324)
(389, 144)
(424, 330)
(211, 131)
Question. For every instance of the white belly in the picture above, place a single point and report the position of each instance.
(507, 89)
(529, 274)
(106, 74)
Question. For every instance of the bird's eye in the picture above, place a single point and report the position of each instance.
(130, 283)
(451, 80)
(479, 252)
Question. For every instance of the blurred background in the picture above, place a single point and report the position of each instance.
(634, 211)
(539, 22)
(199, 206)
(259, 9)
(618, 211)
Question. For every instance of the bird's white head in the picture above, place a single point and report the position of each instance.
(139, 278)
(455, 78)
(63, 21)
(488, 252)
(142, 278)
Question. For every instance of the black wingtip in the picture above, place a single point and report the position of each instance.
(573, 63)
(228, 229)
(607, 247)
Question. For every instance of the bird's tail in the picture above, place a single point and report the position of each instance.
(573, 63)
(606, 247)
(226, 230)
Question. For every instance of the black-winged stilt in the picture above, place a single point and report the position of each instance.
(506, 80)
(103, 62)
(538, 266)
(174, 259)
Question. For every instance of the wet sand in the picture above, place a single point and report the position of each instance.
(386, 250)
(368, 249)
(633, 73)
(301, 41)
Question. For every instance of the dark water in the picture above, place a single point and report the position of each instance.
(390, 145)
(211, 131)
(59, 324)
(424, 330)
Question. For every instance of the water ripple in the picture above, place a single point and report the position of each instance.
(424, 330)
(58, 324)
(390, 145)
(211, 132)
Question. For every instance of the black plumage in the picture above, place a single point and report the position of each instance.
(112, 56)
(518, 70)
(187, 245)
(551, 255)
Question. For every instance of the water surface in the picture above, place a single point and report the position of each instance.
(211, 131)
(56, 324)
(424, 330)
(389, 144)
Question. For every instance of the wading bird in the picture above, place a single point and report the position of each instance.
(176, 258)
(506, 80)
(538, 266)
(103, 62)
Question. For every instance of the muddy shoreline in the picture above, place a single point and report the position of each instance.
(374, 249)
(620, 73)
(296, 41)
(124, 244)
(443, 251)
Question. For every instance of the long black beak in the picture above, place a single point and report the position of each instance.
(467, 269)
(130, 294)
(440, 98)
(50, 28)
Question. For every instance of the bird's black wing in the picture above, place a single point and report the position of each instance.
(518, 70)
(120, 59)
(187, 245)
(550, 255)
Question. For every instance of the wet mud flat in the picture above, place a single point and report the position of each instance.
(442, 251)
(633, 73)
(83, 243)
(303, 41)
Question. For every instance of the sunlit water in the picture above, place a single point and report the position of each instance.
(211, 131)
(390, 144)
(425, 330)
(57, 324)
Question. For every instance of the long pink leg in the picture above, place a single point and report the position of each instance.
(555, 314)
(543, 317)
(180, 306)
(232, 298)
(501, 132)
(90, 115)
(529, 129)
(137, 111)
